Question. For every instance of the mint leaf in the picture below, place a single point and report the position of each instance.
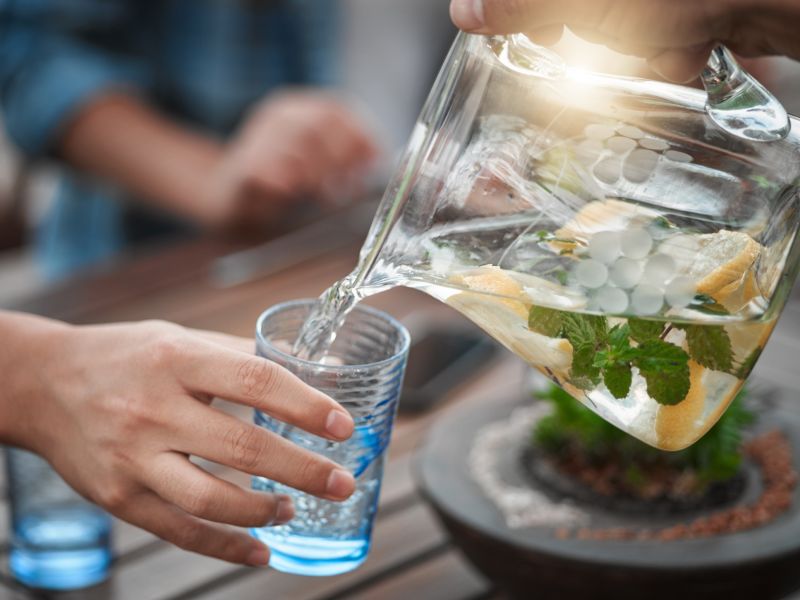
(585, 330)
(546, 321)
(618, 378)
(707, 304)
(748, 363)
(710, 346)
(665, 368)
(642, 330)
(584, 374)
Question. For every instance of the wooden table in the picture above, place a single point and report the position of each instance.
(411, 556)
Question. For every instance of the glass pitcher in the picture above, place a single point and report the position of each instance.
(605, 229)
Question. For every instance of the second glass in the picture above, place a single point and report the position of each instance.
(364, 373)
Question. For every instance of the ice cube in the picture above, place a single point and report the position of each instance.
(680, 292)
(608, 169)
(591, 273)
(636, 242)
(605, 246)
(659, 269)
(631, 132)
(626, 273)
(677, 156)
(647, 299)
(654, 144)
(639, 164)
(620, 144)
(597, 131)
(612, 300)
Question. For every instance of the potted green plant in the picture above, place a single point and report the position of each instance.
(610, 517)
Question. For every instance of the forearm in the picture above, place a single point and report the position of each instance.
(121, 139)
(28, 342)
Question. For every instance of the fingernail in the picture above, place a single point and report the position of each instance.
(285, 511)
(258, 556)
(340, 484)
(339, 425)
(467, 14)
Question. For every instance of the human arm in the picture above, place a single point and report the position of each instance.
(675, 36)
(118, 409)
(66, 98)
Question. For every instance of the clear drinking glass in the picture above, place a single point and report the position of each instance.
(59, 541)
(363, 371)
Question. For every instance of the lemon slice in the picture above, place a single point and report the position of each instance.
(498, 304)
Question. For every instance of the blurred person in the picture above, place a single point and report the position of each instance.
(193, 106)
(676, 37)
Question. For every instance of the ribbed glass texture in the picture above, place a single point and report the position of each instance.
(364, 374)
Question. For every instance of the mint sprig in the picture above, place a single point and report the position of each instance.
(710, 346)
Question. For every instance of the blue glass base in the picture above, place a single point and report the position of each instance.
(60, 570)
(304, 555)
(62, 550)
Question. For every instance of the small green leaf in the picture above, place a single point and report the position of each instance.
(707, 304)
(618, 378)
(643, 330)
(665, 368)
(584, 373)
(546, 321)
(585, 330)
(748, 363)
(710, 346)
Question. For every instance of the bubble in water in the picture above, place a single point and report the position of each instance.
(597, 131)
(639, 164)
(631, 132)
(659, 269)
(680, 292)
(591, 273)
(636, 242)
(608, 169)
(626, 273)
(605, 246)
(647, 299)
(612, 300)
(620, 144)
(654, 144)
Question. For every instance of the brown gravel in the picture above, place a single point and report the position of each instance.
(772, 453)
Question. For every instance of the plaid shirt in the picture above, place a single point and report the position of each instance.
(203, 61)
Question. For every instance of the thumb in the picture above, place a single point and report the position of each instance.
(681, 66)
(499, 16)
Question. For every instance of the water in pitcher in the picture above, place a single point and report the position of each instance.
(650, 315)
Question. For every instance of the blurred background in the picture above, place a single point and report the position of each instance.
(386, 56)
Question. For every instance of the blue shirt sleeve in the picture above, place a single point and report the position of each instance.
(46, 75)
